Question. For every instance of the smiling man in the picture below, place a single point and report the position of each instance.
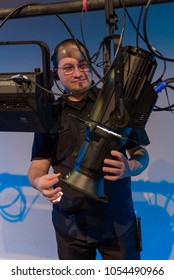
(83, 224)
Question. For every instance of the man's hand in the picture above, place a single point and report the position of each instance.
(120, 167)
(116, 168)
(46, 184)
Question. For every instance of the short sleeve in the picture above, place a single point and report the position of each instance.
(40, 148)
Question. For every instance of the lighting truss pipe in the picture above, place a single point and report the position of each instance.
(72, 7)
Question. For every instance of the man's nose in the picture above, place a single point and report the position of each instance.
(77, 71)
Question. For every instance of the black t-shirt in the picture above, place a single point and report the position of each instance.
(62, 145)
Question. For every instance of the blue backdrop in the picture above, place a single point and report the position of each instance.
(25, 216)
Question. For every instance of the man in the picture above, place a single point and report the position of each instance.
(83, 224)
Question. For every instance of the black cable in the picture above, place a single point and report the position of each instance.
(167, 96)
(101, 79)
(138, 26)
(169, 107)
(143, 39)
(169, 80)
(120, 41)
(137, 31)
(75, 40)
(19, 79)
(95, 56)
(26, 79)
(121, 38)
(15, 11)
(165, 64)
(146, 37)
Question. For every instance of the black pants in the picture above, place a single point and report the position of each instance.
(124, 247)
(70, 248)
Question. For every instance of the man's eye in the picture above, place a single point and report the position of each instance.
(83, 66)
(68, 68)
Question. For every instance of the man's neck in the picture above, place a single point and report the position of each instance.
(77, 97)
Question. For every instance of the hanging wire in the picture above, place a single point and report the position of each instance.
(143, 39)
(146, 37)
(95, 56)
(75, 40)
(158, 54)
(101, 79)
(15, 11)
(25, 79)
(138, 26)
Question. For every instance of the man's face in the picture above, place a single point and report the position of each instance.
(73, 70)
